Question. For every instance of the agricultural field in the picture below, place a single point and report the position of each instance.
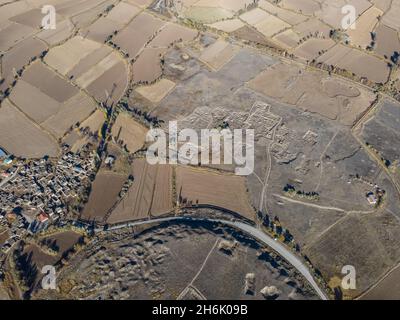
(228, 25)
(149, 195)
(105, 77)
(142, 28)
(218, 54)
(147, 68)
(18, 57)
(62, 241)
(313, 48)
(21, 137)
(129, 133)
(158, 91)
(115, 20)
(387, 41)
(213, 188)
(361, 35)
(50, 100)
(104, 195)
(304, 30)
(94, 122)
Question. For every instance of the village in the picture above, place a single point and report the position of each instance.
(37, 193)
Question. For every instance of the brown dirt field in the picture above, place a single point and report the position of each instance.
(287, 39)
(32, 18)
(94, 122)
(312, 48)
(271, 26)
(98, 70)
(123, 12)
(331, 12)
(307, 7)
(361, 35)
(387, 41)
(64, 240)
(204, 186)
(228, 25)
(71, 138)
(250, 34)
(148, 66)
(71, 112)
(12, 9)
(231, 5)
(78, 145)
(84, 13)
(104, 195)
(387, 289)
(53, 37)
(172, 33)
(101, 29)
(370, 243)
(19, 56)
(254, 16)
(357, 62)
(132, 133)
(141, 3)
(33, 102)
(49, 82)
(207, 14)
(12, 34)
(312, 26)
(39, 258)
(391, 18)
(114, 81)
(218, 54)
(65, 57)
(21, 137)
(158, 91)
(151, 193)
(285, 15)
(139, 31)
(88, 62)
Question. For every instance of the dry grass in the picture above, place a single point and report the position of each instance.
(104, 195)
(65, 57)
(202, 186)
(150, 194)
(218, 54)
(21, 137)
(130, 132)
(158, 91)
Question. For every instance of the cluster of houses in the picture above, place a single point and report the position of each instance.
(35, 193)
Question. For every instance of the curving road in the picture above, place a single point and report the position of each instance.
(250, 230)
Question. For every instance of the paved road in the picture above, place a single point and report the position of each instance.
(254, 232)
